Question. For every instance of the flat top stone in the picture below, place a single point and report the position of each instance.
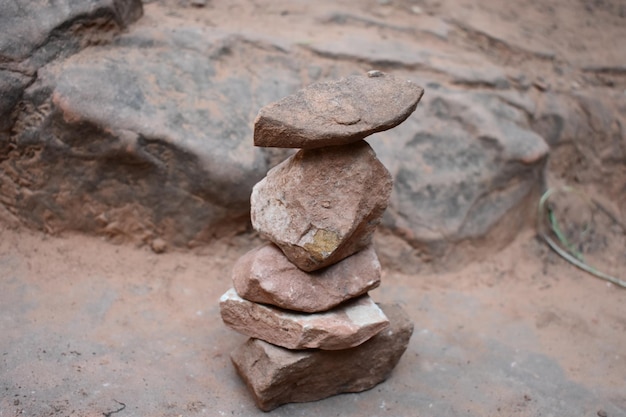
(337, 112)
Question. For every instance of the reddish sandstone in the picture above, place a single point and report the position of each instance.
(278, 376)
(322, 205)
(343, 327)
(331, 113)
(265, 275)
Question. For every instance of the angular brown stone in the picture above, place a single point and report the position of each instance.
(278, 376)
(338, 112)
(322, 205)
(343, 327)
(265, 275)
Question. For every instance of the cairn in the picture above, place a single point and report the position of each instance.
(303, 298)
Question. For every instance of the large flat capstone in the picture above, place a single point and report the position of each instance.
(265, 275)
(278, 376)
(322, 205)
(343, 327)
(337, 112)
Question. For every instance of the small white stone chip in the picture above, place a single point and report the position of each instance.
(375, 73)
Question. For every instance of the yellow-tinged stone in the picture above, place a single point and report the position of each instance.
(322, 205)
(324, 243)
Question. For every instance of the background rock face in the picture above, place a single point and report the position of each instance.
(143, 132)
(137, 140)
(460, 167)
(38, 32)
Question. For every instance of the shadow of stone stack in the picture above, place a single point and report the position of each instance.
(315, 332)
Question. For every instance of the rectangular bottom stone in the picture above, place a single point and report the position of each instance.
(277, 376)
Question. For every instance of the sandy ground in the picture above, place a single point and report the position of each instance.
(88, 326)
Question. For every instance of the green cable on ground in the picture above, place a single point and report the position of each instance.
(561, 236)
(575, 257)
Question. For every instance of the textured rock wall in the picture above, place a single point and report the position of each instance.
(35, 34)
(143, 133)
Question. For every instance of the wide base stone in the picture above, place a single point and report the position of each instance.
(265, 275)
(278, 376)
(343, 327)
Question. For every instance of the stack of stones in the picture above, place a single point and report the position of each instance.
(302, 298)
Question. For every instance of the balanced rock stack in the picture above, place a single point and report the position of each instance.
(302, 298)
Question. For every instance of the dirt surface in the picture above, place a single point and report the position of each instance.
(90, 328)
(87, 326)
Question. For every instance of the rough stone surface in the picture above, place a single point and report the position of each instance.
(430, 25)
(322, 205)
(278, 376)
(460, 167)
(35, 33)
(138, 141)
(109, 184)
(343, 327)
(12, 85)
(265, 275)
(460, 67)
(337, 112)
(588, 138)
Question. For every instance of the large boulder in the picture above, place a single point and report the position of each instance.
(147, 136)
(35, 33)
(140, 141)
(467, 168)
